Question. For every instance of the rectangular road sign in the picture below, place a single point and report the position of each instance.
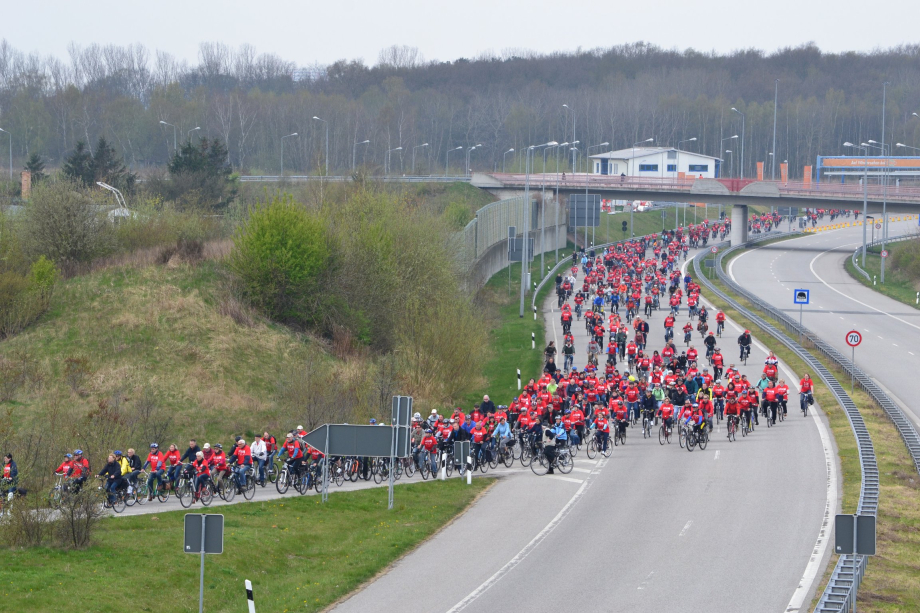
(213, 533)
(461, 451)
(584, 210)
(801, 296)
(864, 527)
(402, 410)
(516, 249)
(364, 441)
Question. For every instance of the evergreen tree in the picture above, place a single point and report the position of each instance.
(200, 176)
(78, 165)
(36, 168)
(109, 167)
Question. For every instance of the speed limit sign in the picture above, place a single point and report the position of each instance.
(884, 253)
(713, 250)
(878, 226)
(854, 338)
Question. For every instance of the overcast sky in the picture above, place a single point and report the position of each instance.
(306, 31)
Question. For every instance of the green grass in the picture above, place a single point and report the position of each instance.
(299, 554)
(160, 329)
(898, 285)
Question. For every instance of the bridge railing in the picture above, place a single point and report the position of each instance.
(345, 178)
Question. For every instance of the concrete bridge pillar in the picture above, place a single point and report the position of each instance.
(739, 233)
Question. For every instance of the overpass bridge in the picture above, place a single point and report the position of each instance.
(740, 193)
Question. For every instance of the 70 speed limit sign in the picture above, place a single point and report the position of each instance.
(854, 338)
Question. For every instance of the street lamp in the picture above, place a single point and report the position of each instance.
(725, 139)
(731, 167)
(354, 152)
(567, 109)
(549, 146)
(907, 146)
(447, 163)
(282, 151)
(11, 151)
(527, 161)
(166, 123)
(865, 192)
(742, 140)
(413, 155)
(773, 161)
(886, 151)
(679, 143)
(503, 159)
(468, 151)
(188, 135)
(327, 142)
(386, 162)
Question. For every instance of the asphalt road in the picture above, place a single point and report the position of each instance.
(890, 350)
(654, 528)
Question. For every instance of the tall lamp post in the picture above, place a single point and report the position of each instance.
(354, 152)
(886, 151)
(282, 151)
(386, 163)
(503, 159)
(543, 206)
(721, 145)
(865, 192)
(587, 168)
(468, 151)
(188, 135)
(447, 162)
(528, 160)
(413, 155)
(166, 123)
(679, 143)
(559, 147)
(327, 142)
(773, 155)
(742, 140)
(11, 151)
(567, 109)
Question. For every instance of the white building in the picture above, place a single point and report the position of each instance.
(656, 162)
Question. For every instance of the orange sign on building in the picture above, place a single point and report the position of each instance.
(760, 171)
(806, 175)
(784, 172)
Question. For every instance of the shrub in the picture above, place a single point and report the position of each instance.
(76, 371)
(280, 257)
(79, 514)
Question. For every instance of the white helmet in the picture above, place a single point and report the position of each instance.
(417, 416)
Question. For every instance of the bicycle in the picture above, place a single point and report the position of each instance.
(619, 437)
(204, 494)
(745, 352)
(562, 461)
(732, 428)
(506, 453)
(805, 399)
(719, 327)
(59, 491)
(117, 500)
(664, 435)
(647, 422)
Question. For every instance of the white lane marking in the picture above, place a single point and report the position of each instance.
(645, 583)
(895, 344)
(811, 266)
(911, 352)
(569, 479)
(582, 470)
(523, 553)
(686, 527)
(717, 455)
(810, 575)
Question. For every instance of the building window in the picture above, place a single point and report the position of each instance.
(699, 167)
(672, 155)
(648, 167)
(672, 167)
(616, 169)
(597, 167)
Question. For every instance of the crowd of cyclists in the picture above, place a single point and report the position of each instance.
(614, 294)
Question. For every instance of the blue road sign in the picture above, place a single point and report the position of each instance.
(801, 296)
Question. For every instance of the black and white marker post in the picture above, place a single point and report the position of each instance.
(249, 599)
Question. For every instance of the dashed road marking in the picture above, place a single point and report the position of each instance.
(686, 527)
(717, 455)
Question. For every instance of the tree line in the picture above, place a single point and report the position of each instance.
(148, 104)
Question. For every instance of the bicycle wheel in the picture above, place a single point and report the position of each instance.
(703, 441)
(645, 428)
(162, 492)
(339, 477)
(184, 492)
(662, 435)
(131, 499)
(539, 465)
(449, 465)
(282, 481)
(681, 437)
(410, 469)
(226, 489)
(731, 431)
(691, 441)
(526, 456)
(119, 505)
(483, 465)
(250, 490)
(592, 449)
(508, 458)
(379, 475)
(609, 450)
(565, 463)
(424, 470)
(207, 495)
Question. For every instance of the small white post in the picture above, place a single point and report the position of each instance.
(533, 340)
(519, 378)
(873, 279)
(535, 313)
(469, 471)
(444, 466)
(252, 604)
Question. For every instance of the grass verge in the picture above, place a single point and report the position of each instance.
(890, 583)
(897, 285)
(299, 554)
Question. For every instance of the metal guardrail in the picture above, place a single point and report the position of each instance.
(342, 179)
(900, 237)
(841, 590)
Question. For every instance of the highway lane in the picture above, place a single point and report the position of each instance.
(890, 351)
(652, 528)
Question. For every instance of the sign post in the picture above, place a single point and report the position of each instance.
(801, 297)
(854, 338)
(204, 533)
(713, 250)
(855, 535)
